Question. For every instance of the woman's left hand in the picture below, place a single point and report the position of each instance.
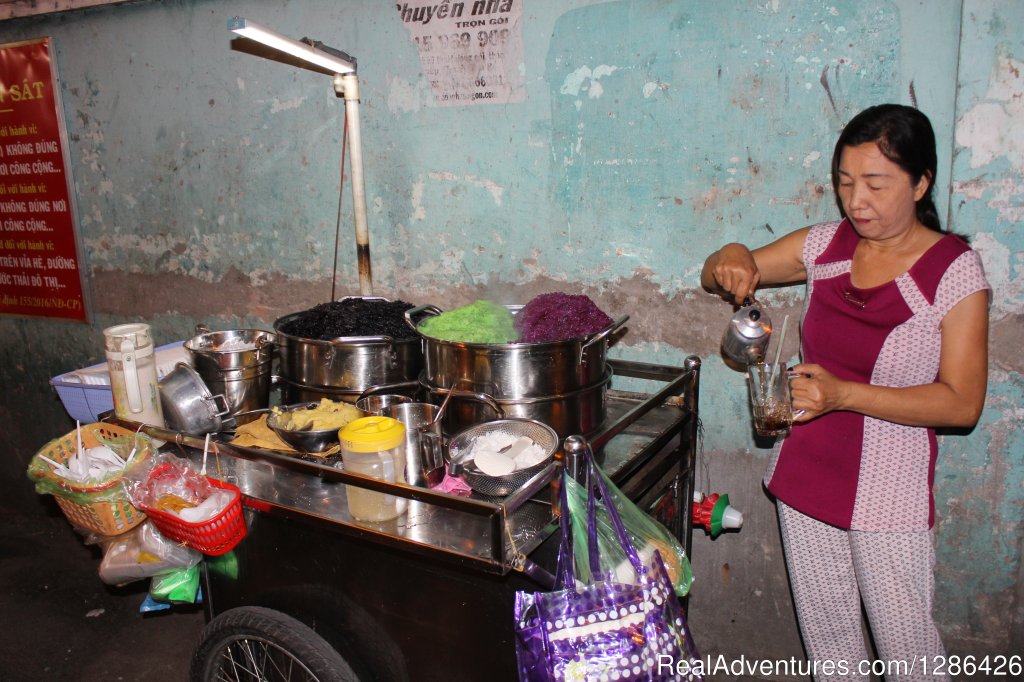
(815, 390)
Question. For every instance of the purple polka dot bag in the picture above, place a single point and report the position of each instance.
(604, 630)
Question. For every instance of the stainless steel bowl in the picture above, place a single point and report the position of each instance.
(303, 440)
(187, 404)
(460, 452)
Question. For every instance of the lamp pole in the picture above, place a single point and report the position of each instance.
(347, 86)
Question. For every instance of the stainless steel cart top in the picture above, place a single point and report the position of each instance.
(491, 534)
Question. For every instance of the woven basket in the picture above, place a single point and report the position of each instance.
(114, 513)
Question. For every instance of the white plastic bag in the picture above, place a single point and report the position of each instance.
(142, 553)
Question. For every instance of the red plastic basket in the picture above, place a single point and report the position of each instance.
(215, 536)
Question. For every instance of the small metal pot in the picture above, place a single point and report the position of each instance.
(188, 405)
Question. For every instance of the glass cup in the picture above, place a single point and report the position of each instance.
(769, 399)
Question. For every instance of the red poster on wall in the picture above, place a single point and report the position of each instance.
(40, 263)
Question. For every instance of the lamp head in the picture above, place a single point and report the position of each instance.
(310, 51)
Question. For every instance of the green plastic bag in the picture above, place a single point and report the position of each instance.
(645, 532)
(179, 586)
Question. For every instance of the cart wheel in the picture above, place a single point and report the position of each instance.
(253, 643)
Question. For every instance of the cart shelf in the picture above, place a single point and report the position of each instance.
(646, 444)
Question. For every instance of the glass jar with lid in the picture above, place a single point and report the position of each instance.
(374, 446)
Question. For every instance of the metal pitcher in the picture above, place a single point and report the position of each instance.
(746, 337)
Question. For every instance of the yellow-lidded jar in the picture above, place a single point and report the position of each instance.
(375, 447)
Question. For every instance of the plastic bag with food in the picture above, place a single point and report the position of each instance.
(142, 553)
(644, 531)
(172, 485)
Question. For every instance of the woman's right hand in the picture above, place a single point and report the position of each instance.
(733, 271)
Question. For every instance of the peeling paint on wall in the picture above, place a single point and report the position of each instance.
(995, 129)
(649, 133)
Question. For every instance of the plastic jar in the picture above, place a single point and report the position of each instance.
(375, 447)
(132, 365)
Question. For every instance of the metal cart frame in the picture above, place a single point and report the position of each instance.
(429, 596)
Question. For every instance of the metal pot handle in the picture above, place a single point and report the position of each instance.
(201, 328)
(425, 308)
(384, 340)
(602, 335)
(606, 332)
(385, 388)
(224, 402)
(479, 397)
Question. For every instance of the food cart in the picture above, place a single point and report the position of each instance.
(314, 594)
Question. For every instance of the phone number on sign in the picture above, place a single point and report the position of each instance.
(994, 666)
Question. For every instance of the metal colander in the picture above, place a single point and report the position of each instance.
(460, 451)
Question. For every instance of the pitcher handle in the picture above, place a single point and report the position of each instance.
(131, 376)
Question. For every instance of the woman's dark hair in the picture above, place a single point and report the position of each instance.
(906, 138)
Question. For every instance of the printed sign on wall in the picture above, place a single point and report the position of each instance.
(40, 273)
(471, 52)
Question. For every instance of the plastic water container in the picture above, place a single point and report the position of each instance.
(375, 447)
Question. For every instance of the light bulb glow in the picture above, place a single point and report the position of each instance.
(260, 34)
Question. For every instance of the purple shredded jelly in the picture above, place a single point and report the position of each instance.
(352, 317)
(557, 317)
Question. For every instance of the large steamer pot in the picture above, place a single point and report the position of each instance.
(582, 411)
(514, 371)
(352, 364)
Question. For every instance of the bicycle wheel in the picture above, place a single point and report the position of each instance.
(256, 644)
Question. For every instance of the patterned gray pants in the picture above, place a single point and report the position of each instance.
(831, 570)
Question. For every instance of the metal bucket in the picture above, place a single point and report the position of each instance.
(516, 371)
(352, 363)
(236, 364)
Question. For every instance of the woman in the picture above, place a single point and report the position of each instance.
(894, 344)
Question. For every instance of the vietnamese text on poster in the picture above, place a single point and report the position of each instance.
(40, 274)
(471, 52)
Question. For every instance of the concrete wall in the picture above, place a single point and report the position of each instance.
(643, 135)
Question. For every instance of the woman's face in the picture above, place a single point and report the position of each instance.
(878, 196)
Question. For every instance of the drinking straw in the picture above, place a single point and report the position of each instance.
(206, 450)
(778, 351)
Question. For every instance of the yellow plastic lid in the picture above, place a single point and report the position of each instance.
(372, 434)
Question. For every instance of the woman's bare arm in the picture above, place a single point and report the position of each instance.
(734, 272)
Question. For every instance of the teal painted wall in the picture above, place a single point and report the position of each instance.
(648, 134)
